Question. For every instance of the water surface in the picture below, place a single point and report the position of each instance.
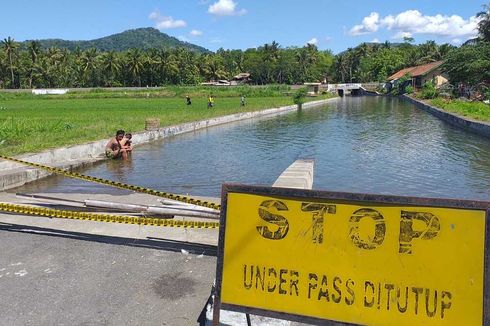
(360, 144)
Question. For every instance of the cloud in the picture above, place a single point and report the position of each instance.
(165, 22)
(328, 39)
(369, 24)
(375, 40)
(414, 22)
(225, 8)
(402, 35)
(456, 41)
(313, 41)
(195, 32)
(183, 38)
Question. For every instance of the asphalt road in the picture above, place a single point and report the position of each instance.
(52, 277)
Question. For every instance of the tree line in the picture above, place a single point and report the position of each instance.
(34, 67)
(58, 67)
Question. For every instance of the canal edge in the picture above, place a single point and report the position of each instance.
(478, 127)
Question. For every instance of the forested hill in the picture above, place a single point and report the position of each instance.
(141, 38)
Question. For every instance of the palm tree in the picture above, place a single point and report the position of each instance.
(270, 54)
(9, 46)
(342, 65)
(213, 67)
(33, 48)
(430, 52)
(484, 23)
(88, 61)
(167, 66)
(135, 64)
(111, 66)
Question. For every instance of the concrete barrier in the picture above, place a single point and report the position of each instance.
(14, 175)
(298, 175)
(478, 127)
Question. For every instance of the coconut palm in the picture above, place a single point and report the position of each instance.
(213, 67)
(89, 65)
(33, 49)
(9, 46)
(134, 62)
(111, 66)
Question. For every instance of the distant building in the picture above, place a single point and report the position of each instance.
(422, 74)
(221, 82)
(242, 78)
(49, 91)
(313, 88)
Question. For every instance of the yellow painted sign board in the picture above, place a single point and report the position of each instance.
(319, 256)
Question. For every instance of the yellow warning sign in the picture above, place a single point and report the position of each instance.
(375, 263)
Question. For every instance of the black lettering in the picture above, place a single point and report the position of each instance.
(336, 287)
(400, 309)
(445, 304)
(379, 229)
(407, 233)
(427, 295)
(371, 285)
(323, 293)
(379, 295)
(318, 211)
(280, 221)
(417, 291)
(293, 282)
(349, 300)
(282, 281)
(311, 286)
(388, 287)
(259, 278)
(247, 286)
(269, 288)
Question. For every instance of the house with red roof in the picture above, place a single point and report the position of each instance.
(422, 74)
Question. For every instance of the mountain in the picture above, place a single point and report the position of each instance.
(140, 38)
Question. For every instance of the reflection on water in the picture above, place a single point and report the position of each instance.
(360, 144)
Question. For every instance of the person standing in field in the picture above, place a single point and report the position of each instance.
(210, 101)
(188, 100)
(242, 100)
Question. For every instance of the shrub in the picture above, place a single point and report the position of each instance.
(409, 89)
(402, 84)
(299, 96)
(429, 91)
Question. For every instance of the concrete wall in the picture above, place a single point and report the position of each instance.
(478, 127)
(14, 175)
(436, 75)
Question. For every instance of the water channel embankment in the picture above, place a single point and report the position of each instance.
(478, 127)
(13, 175)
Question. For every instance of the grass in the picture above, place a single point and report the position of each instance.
(475, 110)
(35, 123)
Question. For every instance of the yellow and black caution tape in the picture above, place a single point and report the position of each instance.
(185, 199)
(30, 210)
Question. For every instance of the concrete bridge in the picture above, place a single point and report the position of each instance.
(354, 88)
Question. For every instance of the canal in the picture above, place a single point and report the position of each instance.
(360, 144)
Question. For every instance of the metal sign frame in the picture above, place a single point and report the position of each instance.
(341, 196)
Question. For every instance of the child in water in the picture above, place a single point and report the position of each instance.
(126, 144)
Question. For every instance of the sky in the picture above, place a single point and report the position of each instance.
(242, 24)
